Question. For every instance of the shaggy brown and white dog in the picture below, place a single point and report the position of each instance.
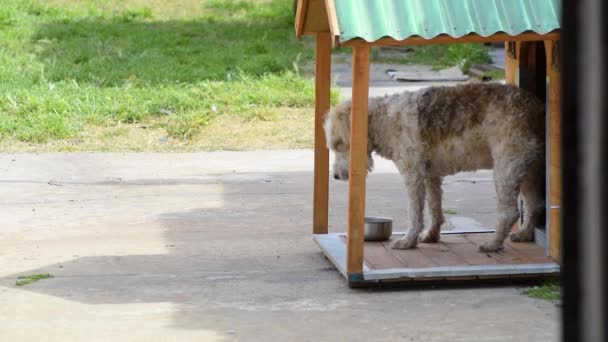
(440, 131)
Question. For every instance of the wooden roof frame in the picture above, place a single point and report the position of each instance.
(324, 19)
(318, 18)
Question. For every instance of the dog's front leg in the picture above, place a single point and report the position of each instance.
(416, 192)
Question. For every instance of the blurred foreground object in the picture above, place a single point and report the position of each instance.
(584, 125)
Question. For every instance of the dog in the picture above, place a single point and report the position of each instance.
(439, 131)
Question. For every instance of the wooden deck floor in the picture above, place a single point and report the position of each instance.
(454, 258)
(452, 250)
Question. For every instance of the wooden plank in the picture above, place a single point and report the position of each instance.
(334, 27)
(440, 254)
(555, 123)
(556, 233)
(469, 253)
(554, 185)
(316, 18)
(358, 159)
(409, 258)
(554, 170)
(300, 19)
(507, 256)
(448, 239)
(510, 256)
(375, 256)
(378, 257)
(555, 154)
(445, 39)
(534, 252)
(321, 168)
(511, 62)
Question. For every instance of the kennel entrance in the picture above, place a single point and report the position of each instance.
(361, 24)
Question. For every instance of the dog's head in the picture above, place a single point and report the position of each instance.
(337, 133)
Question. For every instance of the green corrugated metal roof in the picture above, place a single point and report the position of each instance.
(401, 19)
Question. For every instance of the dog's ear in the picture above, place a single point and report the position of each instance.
(342, 110)
(328, 127)
(424, 99)
(370, 163)
(337, 127)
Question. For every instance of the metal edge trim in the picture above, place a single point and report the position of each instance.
(463, 271)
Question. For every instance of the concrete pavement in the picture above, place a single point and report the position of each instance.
(217, 247)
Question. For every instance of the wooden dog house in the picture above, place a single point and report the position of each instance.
(530, 30)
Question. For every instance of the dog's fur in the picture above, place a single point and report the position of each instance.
(440, 131)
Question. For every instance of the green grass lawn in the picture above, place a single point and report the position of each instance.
(161, 75)
(70, 69)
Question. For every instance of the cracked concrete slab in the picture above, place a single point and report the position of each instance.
(217, 247)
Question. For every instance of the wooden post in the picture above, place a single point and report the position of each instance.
(511, 62)
(554, 169)
(358, 161)
(322, 95)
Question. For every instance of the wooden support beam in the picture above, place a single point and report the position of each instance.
(445, 39)
(511, 62)
(554, 170)
(312, 18)
(358, 160)
(333, 21)
(300, 17)
(322, 95)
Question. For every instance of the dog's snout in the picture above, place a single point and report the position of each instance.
(341, 175)
(340, 167)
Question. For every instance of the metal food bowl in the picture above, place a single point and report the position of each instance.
(378, 228)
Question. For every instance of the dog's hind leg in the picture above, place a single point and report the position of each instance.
(531, 191)
(508, 177)
(416, 192)
(432, 233)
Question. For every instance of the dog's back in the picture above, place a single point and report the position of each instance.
(446, 112)
(462, 128)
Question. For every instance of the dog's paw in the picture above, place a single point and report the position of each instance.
(490, 246)
(429, 236)
(520, 236)
(404, 243)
